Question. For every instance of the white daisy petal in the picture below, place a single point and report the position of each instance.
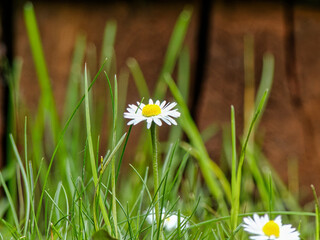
(278, 220)
(157, 121)
(154, 111)
(171, 120)
(174, 114)
(131, 122)
(162, 104)
(170, 221)
(261, 228)
(149, 121)
(166, 121)
(170, 106)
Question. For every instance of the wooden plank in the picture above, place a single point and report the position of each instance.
(224, 84)
(2, 124)
(307, 37)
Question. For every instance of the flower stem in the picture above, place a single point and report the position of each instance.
(155, 172)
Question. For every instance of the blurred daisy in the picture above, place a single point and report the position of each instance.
(170, 222)
(152, 112)
(264, 229)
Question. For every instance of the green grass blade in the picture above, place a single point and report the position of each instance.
(234, 152)
(91, 154)
(236, 199)
(74, 133)
(317, 222)
(183, 76)
(108, 43)
(75, 75)
(113, 168)
(41, 68)
(193, 134)
(60, 140)
(4, 205)
(173, 50)
(11, 203)
(183, 85)
(88, 128)
(138, 78)
(266, 76)
(26, 184)
(234, 213)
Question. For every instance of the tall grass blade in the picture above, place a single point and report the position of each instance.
(173, 50)
(11, 203)
(26, 184)
(236, 199)
(92, 157)
(193, 134)
(60, 140)
(138, 78)
(41, 68)
(108, 43)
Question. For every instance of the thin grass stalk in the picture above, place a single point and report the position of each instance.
(138, 77)
(191, 130)
(141, 200)
(234, 190)
(11, 203)
(271, 195)
(122, 153)
(250, 106)
(123, 81)
(317, 234)
(33, 224)
(108, 43)
(183, 82)
(41, 68)
(26, 184)
(173, 50)
(54, 205)
(248, 110)
(92, 157)
(60, 140)
(72, 93)
(12, 75)
(266, 80)
(249, 84)
(317, 222)
(154, 143)
(21, 205)
(113, 173)
(37, 129)
(74, 133)
(236, 199)
(89, 137)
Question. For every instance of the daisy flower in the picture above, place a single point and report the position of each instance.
(170, 222)
(152, 112)
(262, 228)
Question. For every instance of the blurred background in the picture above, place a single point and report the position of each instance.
(218, 35)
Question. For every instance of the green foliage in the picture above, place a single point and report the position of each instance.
(66, 184)
(102, 235)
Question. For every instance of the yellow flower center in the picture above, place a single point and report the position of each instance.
(271, 228)
(151, 110)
